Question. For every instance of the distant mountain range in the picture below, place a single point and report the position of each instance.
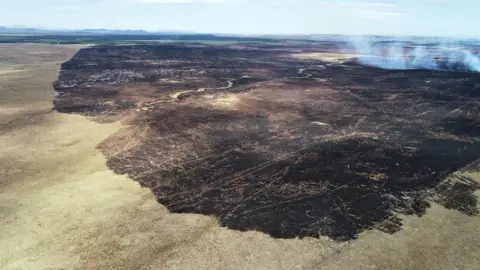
(39, 31)
(100, 31)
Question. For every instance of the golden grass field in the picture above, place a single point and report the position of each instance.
(62, 208)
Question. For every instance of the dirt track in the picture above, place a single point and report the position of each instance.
(62, 208)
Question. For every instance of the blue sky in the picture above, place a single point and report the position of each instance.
(393, 17)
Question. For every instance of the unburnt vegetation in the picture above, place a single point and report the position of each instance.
(291, 146)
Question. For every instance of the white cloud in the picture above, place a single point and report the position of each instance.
(365, 4)
(180, 1)
(66, 8)
(370, 10)
(441, 1)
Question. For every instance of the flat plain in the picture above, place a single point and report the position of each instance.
(69, 199)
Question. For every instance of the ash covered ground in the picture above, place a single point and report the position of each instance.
(290, 139)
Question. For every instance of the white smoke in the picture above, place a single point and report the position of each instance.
(403, 55)
(471, 61)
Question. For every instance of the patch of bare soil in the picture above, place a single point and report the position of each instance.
(306, 147)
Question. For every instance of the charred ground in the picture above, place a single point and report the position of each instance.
(291, 146)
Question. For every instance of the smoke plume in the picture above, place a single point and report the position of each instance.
(403, 55)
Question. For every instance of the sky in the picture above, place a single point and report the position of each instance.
(453, 18)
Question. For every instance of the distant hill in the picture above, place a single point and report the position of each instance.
(22, 33)
(99, 31)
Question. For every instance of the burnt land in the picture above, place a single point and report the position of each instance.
(269, 141)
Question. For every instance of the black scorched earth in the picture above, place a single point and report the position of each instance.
(266, 140)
